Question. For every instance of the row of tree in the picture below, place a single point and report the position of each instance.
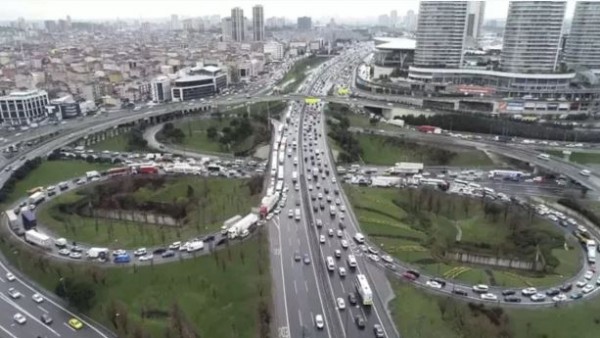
(17, 175)
(351, 150)
(500, 126)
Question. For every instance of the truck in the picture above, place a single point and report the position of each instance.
(12, 218)
(147, 170)
(118, 171)
(92, 174)
(591, 251)
(94, 253)
(38, 238)
(37, 198)
(195, 246)
(242, 227)
(281, 156)
(228, 223)
(268, 203)
(29, 220)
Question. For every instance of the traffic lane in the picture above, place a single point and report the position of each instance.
(277, 271)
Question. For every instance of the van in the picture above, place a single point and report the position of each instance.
(122, 258)
(352, 261)
(330, 263)
(297, 214)
(195, 246)
(359, 238)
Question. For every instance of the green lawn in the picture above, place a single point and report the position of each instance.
(52, 172)
(219, 294)
(382, 150)
(117, 143)
(399, 233)
(298, 72)
(585, 158)
(419, 314)
(228, 197)
(195, 134)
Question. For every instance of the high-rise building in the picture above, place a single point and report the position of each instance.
(532, 36)
(441, 31)
(410, 21)
(226, 29)
(304, 23)
(174, 22)
(383, 20)
(237, 24)
(475, 12)
(258, 23)
(582, 49)
(394, 18)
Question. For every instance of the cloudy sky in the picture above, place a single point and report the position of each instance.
(342, 10)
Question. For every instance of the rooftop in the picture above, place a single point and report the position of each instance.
(396, 43)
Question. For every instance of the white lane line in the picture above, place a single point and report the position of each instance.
(300, 318)
(287, 318)
(306, 286)
(23, 311)
(2, 279)
(8, 332)
(295, 287)
(69, 326)
(343, 288)
(44, 310)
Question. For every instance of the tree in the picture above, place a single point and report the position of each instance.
(80, 294)
(211, 132)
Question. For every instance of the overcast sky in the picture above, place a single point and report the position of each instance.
(152, 9)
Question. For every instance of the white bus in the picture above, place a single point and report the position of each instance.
(461, 182)
(364, 290)
(591, 251)
(280, 173)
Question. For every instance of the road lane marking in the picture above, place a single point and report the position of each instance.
(69, 326)
(8, 332)
(287, 319)
(300, 318)
(306, 286)
(343, 288)
(2, 279)
(44, 310)
(295, 287)
(23, 311)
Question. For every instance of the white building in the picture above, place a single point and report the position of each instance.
(532, 36)
(161, 89)
(475, 12)
(583, 43)
(23, 107)
(275, 49)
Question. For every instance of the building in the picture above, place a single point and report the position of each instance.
(64, 108)
(206, 81)
(392, 54)
(226, 29)
(19, 108)
(237, 24)
(475, 16)
(532, 36)
(394, 18)
(410, 21)
(161, 89)
(175, 22)
(304, 23)
(258, 23)
(582, 49)
(274, 49)
(441, 32)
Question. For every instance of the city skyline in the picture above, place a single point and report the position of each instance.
(351, 11)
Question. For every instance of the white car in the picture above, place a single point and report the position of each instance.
(319, 321)
(10, 277)
(19, 318)
(146, 257)
(330, 232)
(75, 255)
(433, 284)
(340, 233)
(175, 245)
(559, 298)
(588, 288)
(374, 258)
(482, 288)
(342, 271)
(344, 243)
(581, 283)
(588, 274)
(14, 294)
(387, 258)
(341, 304)
(538, 297)
(489, 296)
(37, 298)
(140, 252)
(64, 252)
(529, 291)
(322, 239)
(333, 180)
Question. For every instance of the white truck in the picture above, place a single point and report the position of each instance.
(92, 174)
(37, 198)
(241, 228)
(195, 246)
(94, 253)
(591, 251)
(268, 203)
(38, 238)
(228, 223)
(12, 218)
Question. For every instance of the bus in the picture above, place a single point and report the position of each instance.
(280, 173)
(591, 251)
(364, 290)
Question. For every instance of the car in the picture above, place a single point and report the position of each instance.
(433, 284)
(140, 252)
(528, 292)
(319, 322)
(352, 298)
(14, 293)
(373, 257)
(538, 297)
(174, 245)
(75, 255)
(588, 274)
(512, 299)
(64, 252)
(290, 213)
(46, 319)
(146, 257)
(75, 323)
(168, 253)
(508, 292)
(322, 239)
(330, 232)
(559, 298)
(576, 295)
(319, 223)
(37, 298)
(341, 304)
(552, 292)
(19, 318)
(360, 321)
(159, 251)
(581, 283)
(338, 253)
(306, 259)
(76, 248)
(340, 233)
(489, 296)
(480, 288)
(297, 256)
(566, 287)
(378, 330)
(373, 250)
(588, 288)
(342, 271)
(344, 243)
(10, 277)
(460, 292)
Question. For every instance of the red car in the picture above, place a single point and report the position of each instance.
(409, 276)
